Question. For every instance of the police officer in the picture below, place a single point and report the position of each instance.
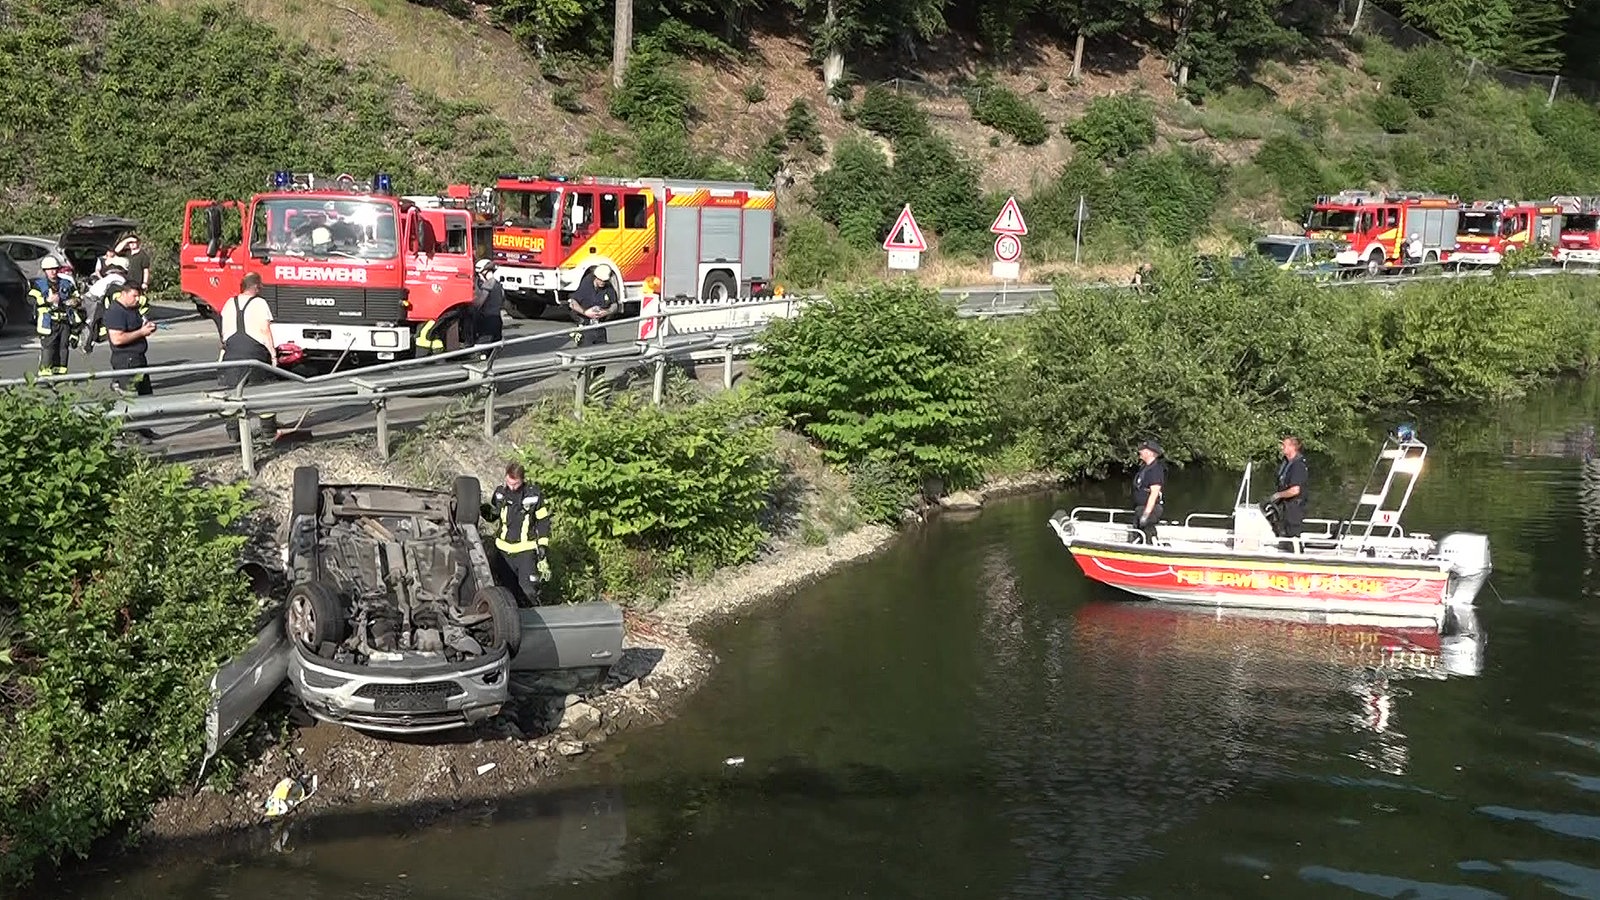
(55, 305)
(1149, 490)
(488, 299)
(523, 539)
(1289, 500)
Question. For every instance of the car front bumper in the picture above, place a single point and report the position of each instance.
(400, 700)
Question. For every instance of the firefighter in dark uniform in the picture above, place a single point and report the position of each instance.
(522, 541)
(1149, 490)
(1288, 502)
(55, 305)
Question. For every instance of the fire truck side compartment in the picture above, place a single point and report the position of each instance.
(680, 249)
(757, 245)
(1438, 226)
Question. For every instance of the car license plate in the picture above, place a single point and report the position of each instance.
(409, 703)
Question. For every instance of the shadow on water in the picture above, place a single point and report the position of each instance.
(966, 716)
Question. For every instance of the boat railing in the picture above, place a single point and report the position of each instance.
(1189, 520)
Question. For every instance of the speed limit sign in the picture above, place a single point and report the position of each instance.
(1007, 248)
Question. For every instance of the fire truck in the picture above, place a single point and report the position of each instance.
(695, 239)
(1490, 229)
(1580, 229)
(1374, 227)
(348, 269)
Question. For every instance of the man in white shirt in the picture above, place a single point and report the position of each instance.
(245, 323)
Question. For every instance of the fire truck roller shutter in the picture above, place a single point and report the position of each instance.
(757, 256)
(721, 243)
(680, 243)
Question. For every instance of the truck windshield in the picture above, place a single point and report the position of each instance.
(1479, 224)
(526, 209)
(1331, 220)
(350, 229)
(1581, 223)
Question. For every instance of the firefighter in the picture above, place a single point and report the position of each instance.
(1414, 249)
(128, 332)
(1149, 490)
(245, 326)
(444, 333)
(1288, 502)
(594, 301)
(522, 541)
(489, 298)
(113, 275)
(55, 304)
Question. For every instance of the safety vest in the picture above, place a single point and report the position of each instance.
(524, 519)
(428, 340)
(50, 303)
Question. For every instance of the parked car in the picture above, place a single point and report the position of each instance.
(1297, 253)
(13, 294)
(88, 237)
(394, 623)
(27, 251)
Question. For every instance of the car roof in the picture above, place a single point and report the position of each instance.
(29, 239)
(1287, 238)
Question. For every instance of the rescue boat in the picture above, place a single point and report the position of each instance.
(1366, 565)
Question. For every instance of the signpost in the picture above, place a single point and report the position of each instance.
(905, 242)
(1010, 227)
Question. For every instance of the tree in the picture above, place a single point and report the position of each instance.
(843, 26)
(1086, 19)
(1221, 40)
(621, 41)
(1515, 34)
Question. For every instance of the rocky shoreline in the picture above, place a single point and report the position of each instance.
(553, 721)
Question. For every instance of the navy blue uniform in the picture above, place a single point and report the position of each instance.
(1151, 475)
(132, 354)
(1292, 510)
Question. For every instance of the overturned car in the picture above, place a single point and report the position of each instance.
(393, 622)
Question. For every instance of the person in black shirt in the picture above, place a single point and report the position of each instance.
(1289, 500)
(595, 300)
(1149, 490)
(129, 333)
(488, 299)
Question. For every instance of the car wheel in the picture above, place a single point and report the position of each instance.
(315, 615)
(307, 497)
(502, 607)
(469, 501)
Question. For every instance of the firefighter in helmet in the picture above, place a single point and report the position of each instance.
(522, 539)
(55, 306)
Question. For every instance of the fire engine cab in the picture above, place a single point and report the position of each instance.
(1580, 229)
(349, 269)
(1492, 228)
(698, 239)
(1375, 228)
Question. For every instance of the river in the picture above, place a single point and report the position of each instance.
(965, 716)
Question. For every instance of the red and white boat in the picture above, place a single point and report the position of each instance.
(1362, 566)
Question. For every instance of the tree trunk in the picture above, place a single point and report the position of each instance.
(1077, 57)
(833, 62)
(1183, 76)
(621, 41)
(1355, 22)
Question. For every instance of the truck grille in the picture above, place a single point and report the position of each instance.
(335, 305)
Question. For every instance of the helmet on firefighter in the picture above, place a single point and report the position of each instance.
(49, 264)
(484, 266)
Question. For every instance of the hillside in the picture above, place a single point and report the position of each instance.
(161, 100)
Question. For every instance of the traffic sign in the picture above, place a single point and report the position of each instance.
(1010, 220)
(1007, 248)
(905, 260)
(905, 235)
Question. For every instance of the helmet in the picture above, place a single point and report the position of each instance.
(48, 263)
(602, 275)
(484, 265)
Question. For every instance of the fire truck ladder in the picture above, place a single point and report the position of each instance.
(1374, 512)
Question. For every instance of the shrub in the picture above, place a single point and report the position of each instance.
(800, 126)
(811, 256)
(1427, 80)
(856, 192)
(891, 114)
(754, 93)
(1166, 197)
(663, 149)
(1005, 111)
(842, 91)
(566, 98)
(122, 591)
(944, 183)
(652, 492)
(1295, 168)
(1114, 127)
(887, 375)
(1391, 113)
(652, 92)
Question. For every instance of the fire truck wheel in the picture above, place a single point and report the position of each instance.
(1375, 265)
(720, 288)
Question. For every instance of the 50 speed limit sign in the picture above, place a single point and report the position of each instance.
(1007, 248)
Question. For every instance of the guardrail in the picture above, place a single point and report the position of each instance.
(683, 329)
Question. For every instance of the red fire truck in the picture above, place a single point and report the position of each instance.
(697, 239)
(1490, 229)
(1375, 227)
(1580, 229)
(349, 269)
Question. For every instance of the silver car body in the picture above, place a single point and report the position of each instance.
(28, 250)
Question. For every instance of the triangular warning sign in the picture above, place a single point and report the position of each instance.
(1010, 220)
(905, 235)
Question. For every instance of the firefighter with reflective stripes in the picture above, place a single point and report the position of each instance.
(522, 540)
(55, 307)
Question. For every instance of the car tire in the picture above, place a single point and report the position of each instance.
(469, 501)
(315, 615)
(307, 497)
(502, 605)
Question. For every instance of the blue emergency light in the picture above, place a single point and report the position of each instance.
(282, 180)
(1406, 432)
(382, 183)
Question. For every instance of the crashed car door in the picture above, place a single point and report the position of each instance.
(569, 636)
(244, 683)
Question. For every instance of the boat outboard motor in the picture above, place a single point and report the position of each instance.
(1468, 554)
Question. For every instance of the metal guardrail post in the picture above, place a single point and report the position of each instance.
(661, 380)
(580, 390)
(488, 410)
(247, 445)
(382, 403)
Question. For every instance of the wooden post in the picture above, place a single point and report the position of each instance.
(621, 41)
(1553, 85)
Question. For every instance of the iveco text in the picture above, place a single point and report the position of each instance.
(315, 273)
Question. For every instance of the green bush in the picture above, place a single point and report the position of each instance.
(1295, 167)
(800, 126)
(652, 91)
(121, 587)
(663, 149)
(888, 375)
(1166, 197)
(754, 93)
(944, 184)
(1427, 80)
(1391, 113)
(856, 193)
(891, 114)
(810, 255)
(1114, 127)
(648, 493)
(1005, 111)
